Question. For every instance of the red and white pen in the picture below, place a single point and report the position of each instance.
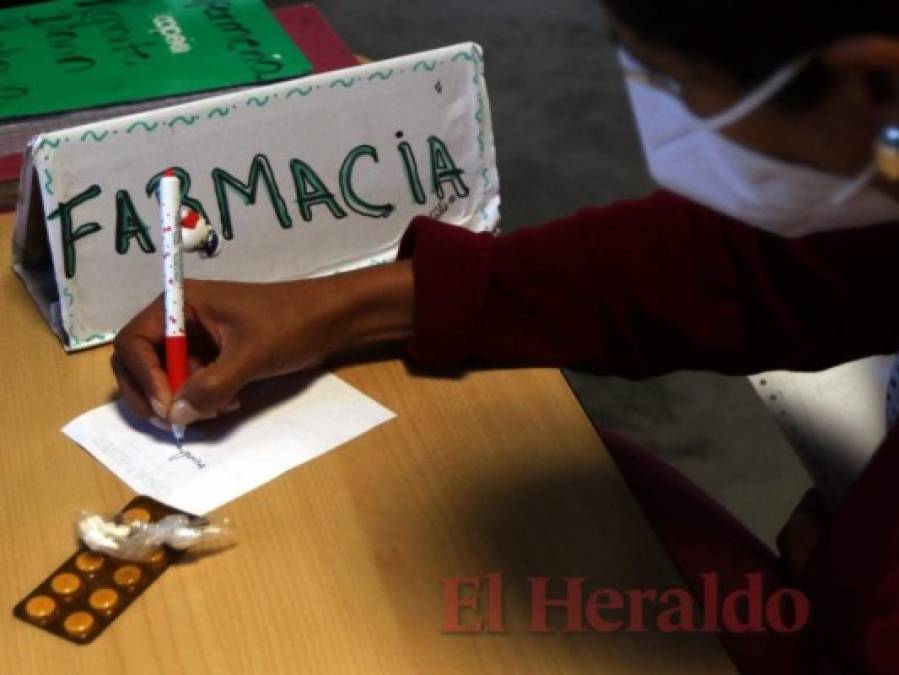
(173, 287)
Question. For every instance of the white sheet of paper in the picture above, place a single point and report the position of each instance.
(282, 424)
(835, 419)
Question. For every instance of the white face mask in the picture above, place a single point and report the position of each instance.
(687, 155)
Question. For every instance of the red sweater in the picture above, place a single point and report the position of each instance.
(646, 287)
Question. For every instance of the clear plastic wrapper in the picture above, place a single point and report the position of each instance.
(137, 539)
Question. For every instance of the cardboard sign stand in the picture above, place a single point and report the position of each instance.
(301, 178)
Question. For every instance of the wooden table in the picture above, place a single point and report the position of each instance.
(340, 563)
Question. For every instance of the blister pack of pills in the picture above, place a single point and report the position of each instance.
(117, 561)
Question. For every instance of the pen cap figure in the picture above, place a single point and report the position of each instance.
(198, 235)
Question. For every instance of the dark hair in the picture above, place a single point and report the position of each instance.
(751, 38)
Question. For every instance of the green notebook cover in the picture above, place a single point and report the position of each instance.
(75, 54)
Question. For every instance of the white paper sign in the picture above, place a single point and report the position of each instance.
(284, 423)
(299, 179)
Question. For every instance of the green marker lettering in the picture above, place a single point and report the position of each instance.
(70, 235)
(353, 200)
(260, 168)
(444, 169)
(186, 200)
(311, 190)
(412, 175)
(128, 225)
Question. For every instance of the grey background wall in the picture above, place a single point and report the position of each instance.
(565, 137)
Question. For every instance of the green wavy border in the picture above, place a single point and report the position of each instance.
(92, 340)
(149, 125)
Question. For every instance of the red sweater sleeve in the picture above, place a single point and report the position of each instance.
(853, 575)
(645, 287)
